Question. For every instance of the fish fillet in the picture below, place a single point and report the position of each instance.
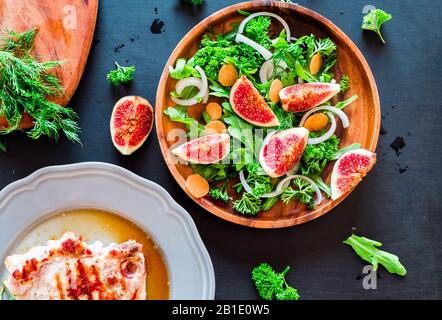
(70, 269)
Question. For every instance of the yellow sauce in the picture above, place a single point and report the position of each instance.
(96, 225)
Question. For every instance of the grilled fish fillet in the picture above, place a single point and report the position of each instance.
(70, 269)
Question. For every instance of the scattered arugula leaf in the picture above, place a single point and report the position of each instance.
(303, 193)
(248, 204)
(27, 86)
(272, 285)
(220, 192)
(368, 251)
(374, 20)
(121, 75)
(345, 83)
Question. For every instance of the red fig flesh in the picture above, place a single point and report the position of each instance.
(282, 150)
(305, 96)
(205, 150)
(349, 170)
(250, 105)
(131, 123)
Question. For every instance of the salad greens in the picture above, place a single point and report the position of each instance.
(374, 20)
(368, 250)
(216, 50)
(272, 285)
(27, 86)
(121, 75)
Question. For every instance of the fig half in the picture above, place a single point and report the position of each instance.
(131, 123)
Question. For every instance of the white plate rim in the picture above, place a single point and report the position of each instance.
(32, 181)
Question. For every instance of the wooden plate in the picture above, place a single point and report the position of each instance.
(66, 29)
(364, 114)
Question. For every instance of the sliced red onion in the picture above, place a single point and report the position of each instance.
(244, 182)
(326, 135)
(191, 81)
(341, 114)
(269, 14)
(263, 51)
(293, 39)
(267, 68)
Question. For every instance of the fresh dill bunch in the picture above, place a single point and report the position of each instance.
(26, 86)
(374, 20)
(248, 204)
(272, 285)
(121, 75)
(345, 83)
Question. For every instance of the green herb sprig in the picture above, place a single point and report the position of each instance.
(121, 75)
(27, 86)
(374, 20)
(272, 285)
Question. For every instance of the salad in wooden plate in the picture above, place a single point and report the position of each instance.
(267, 114)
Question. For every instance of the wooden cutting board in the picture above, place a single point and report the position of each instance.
(66, 29)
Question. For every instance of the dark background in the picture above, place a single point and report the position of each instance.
(397, 204)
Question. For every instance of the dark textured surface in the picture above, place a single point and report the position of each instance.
(402, 210)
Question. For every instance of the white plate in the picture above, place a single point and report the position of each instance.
(48, 191)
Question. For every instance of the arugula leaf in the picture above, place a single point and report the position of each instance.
(269, 203)
(303, 73)
(211, 172)
(179, 114)
(121, 75)
(368, 251)
(272, 285)
(248, 204)
(343, 104)
(345, 83)
(374, 20)
(317, 179)
(183, 69)
(238, 128)
(341, 151)
(218, 91)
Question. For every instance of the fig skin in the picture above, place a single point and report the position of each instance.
(254, 110)
(349, 170)
(126, 141)
(306, 96)
(295, 140)
(195, 150)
